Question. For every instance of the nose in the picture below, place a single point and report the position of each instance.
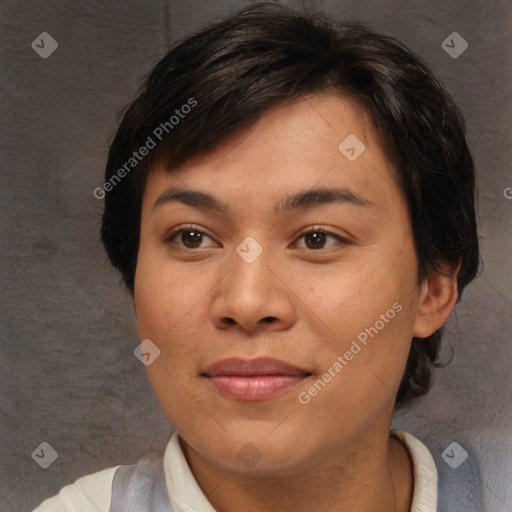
(254, 296)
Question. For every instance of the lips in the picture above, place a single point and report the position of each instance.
(254, 380)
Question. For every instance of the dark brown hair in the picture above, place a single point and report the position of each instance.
(232, 72)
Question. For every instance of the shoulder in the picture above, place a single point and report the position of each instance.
(89, 493)
(460, 483)
(454, 468)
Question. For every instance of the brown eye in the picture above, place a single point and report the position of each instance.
(191, 238)
(186, 238)
(317, 238)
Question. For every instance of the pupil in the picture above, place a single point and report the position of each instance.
(194, 239)
(317, 237)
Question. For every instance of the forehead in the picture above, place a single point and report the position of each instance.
(318, 141)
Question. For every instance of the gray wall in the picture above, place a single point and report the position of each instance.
(68, 374)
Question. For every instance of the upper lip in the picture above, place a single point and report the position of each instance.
(247, 367)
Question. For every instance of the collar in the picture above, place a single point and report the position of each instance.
(186, 495)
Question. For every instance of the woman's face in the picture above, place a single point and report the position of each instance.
(244, 271)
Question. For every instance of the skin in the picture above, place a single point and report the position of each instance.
(300, 302)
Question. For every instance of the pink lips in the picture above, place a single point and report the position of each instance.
(253, 380)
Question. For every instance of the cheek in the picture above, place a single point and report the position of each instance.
(164, 299)
(370, 305)
(349, 298)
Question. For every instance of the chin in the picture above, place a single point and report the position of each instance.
(257, 453)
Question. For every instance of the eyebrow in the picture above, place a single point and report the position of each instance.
(303, 200)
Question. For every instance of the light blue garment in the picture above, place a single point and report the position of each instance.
(141, 487)
(458, 489)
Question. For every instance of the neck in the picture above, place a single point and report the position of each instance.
(372, 477)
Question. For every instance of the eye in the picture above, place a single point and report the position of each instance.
(187, 237)
(315, 238)
(190, 237)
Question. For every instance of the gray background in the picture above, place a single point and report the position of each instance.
(68, 374)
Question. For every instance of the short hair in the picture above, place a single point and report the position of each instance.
(232, 72)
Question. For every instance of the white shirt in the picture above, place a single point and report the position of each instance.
(92, 493)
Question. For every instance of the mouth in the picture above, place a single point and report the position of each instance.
(254, 380)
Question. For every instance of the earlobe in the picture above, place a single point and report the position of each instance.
(436, 301)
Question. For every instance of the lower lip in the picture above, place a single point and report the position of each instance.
(256, 387)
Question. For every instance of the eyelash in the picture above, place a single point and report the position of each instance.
(169, 239)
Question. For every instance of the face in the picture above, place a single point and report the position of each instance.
(262, 266)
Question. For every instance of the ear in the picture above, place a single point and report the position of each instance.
(437, 299)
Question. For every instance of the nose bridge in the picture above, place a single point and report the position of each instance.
(251, 280)
(250, 292)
